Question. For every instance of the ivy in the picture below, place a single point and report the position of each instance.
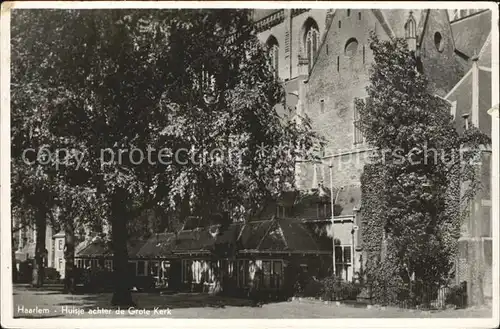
(418, 186)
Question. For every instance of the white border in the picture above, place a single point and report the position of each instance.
(7, 301)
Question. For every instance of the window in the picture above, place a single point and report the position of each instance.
(60, 264)
(411, 27)
(438, 41)
(311, 42)
(351, 47)
(243, 273)
(60, 244)
(273, 49)
(340, 24)
(141, 267)
(363, 54)
(358, 133)
(277, 274)
(266, 273)
(280, 211)
(359, 16)
(338, 63)
(108, 264)
(322, 106)
(343, 261)
(348, 12)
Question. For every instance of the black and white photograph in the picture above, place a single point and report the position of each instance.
(317, 164)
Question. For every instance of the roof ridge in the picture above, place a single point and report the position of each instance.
(461, 19)
(267, 232)
(310, 235)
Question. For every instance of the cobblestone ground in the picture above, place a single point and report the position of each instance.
(51, 303)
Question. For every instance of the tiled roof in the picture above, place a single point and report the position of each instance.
(282, 235)
(159, 245)
(471, 32)
(101, 248)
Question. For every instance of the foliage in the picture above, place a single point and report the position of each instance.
(176, 85)
(335, 288)
(457, 295)
(410, 189)
(329, 288)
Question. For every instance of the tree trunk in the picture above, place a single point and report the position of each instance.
(13, 263)
(40, 255)
(69, 257)
(121, 290)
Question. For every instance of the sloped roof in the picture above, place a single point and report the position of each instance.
(101, 248)
(159, 245)
(471, 32)
(287, 235)
(348, 198)
(485, 54)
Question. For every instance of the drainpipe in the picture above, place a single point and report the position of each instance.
(475, 91)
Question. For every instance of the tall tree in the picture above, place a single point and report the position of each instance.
(420, 163)
(182, 85)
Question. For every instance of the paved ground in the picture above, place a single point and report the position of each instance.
(52, 303)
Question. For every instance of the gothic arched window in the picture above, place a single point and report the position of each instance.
(311, 41)
(411, 27)
(273, 49)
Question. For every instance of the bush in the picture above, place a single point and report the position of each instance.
(334, 288)
(51, 274)
(313, 288)
(457, 295)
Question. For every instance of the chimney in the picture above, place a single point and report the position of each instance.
(475, 90)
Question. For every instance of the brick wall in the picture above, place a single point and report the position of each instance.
(440, 62)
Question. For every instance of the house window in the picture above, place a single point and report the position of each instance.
(348, 12)
(343, 261)
(141, 267)
(60, 244)
(108, 264)
(266, 273)
(87, 263)
(340, 24)
(60, 263)
(277, 274)
(322, 106)
(358, 133)
(243, 273)
(132, 268)
(273, 49)
(363, 54)
(338, 63)
(280, 211)
(359, 16)
(311, 42)
(154, 268)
